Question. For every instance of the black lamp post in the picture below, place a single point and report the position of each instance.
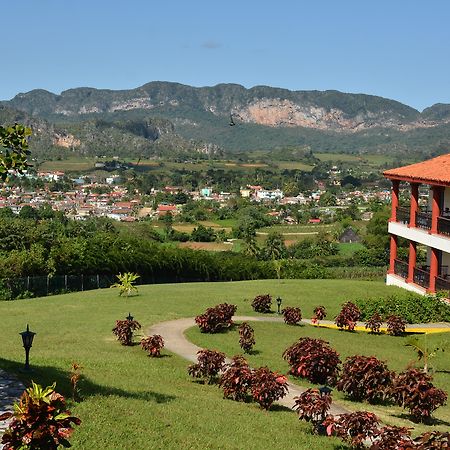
(27, 339)
(279, 301)
(325, 390)
(130, 317)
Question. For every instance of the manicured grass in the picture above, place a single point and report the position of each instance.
(348, 248)
(284, 229)
(68, 165)
(132, 401)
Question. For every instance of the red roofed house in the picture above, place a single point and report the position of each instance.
(165, 209)
(428, 226)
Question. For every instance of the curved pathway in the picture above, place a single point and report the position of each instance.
(175, 341)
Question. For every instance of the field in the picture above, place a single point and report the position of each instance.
(134, 402)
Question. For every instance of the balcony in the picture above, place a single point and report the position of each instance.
(403, 215)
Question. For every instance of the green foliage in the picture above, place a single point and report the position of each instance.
(203, 234)
(411, 307)
(126, 283)
(274, 247)
(14, 153)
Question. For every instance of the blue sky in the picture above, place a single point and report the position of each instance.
(397, 49)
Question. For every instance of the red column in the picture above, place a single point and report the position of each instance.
(393, 254)
(433, 270)
(414, 204)
(411, 261)
(435, 208)
(394, 200)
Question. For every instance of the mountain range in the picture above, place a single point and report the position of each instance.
(165, 119)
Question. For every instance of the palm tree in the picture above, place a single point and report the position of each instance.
(126, 283)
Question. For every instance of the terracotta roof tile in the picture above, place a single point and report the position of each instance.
(432, 171)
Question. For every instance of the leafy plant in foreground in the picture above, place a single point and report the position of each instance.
(292, 315)
(216, 318)
(414, 390)
(153, 345)
(124, 330)
(314, 360)
(354, 428)
(40, 421)
(374, 323)
(396, 326)
(313, 407)
(262, 303)
(246, 337)
(236, 380)
(210, 363)
(126, 283)
(348, 316)
(433, 440)
(268, 387)
(365, 378)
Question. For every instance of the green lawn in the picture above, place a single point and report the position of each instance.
(348, 248)
(134, 402)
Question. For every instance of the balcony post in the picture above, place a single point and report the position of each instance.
(411, 261)
(394, 200)
(433, 270)
(435, 208)
(393, 254)
(414, 204)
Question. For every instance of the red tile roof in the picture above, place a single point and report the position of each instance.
(434, 171)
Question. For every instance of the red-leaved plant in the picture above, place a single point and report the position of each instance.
(374, 323)
(210, 363)
(124, 331)
(348, 316)
(246, 337)
(354, 428)
(319, 313)
(40, 421)
(268, 387)
(292, 315)
(414, 390)
(396, 325)
(216, 318)
(314, 360)
(75, 377)
(365, 378)
(262, 303)
(153, 345)
(313, 406)
(393, 438)
(433, 440)
(236, 379)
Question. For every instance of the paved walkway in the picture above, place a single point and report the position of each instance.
(10, 391)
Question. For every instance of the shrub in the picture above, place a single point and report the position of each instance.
(292, 316)
(313, 407)
(413, 308)
(126, 283)
(319, 313)
(210, 363)
(268, 387)
(124, 331)
(393, 438)
(236, 380)
(314, 360)
(40, 421)
(153, 345)
(354, 428)
(395, 325)
(348, 316)
(75, 377)
(262, 303)
(246, 337)
(414, 390)
(217, 318)
(433, 440)
(374, 323)
(365, 378)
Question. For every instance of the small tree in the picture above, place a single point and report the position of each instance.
(14, 153)
(126, 283)
(153, 345)
(124, 330)
(246, 337)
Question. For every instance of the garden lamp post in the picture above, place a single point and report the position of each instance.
(325, 390)
(279, 301)
(27, 339)
(130, 317)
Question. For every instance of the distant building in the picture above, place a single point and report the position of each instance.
(349, 236)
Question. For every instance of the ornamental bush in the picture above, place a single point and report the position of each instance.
(365, 378)
(374, 323)
(268, 387)
(236, 379)
(313, 407)
(216, 318)
(414, 390)
(124, 331)
(246, 337)
(348, 316)
(292, 315)
(209, 364)
(396, 326)
(314, 360)
(393, 438)
(262, 303)
(319, 313)
(153, 345)
(433, 440)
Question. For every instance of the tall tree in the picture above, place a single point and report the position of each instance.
(13, 149)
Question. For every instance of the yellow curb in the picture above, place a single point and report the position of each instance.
(422, 330)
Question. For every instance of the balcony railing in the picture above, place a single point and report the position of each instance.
(403, 215)
(423, 220)
(442, 284)
(422, 277)
(401, 268)
(444, 225)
